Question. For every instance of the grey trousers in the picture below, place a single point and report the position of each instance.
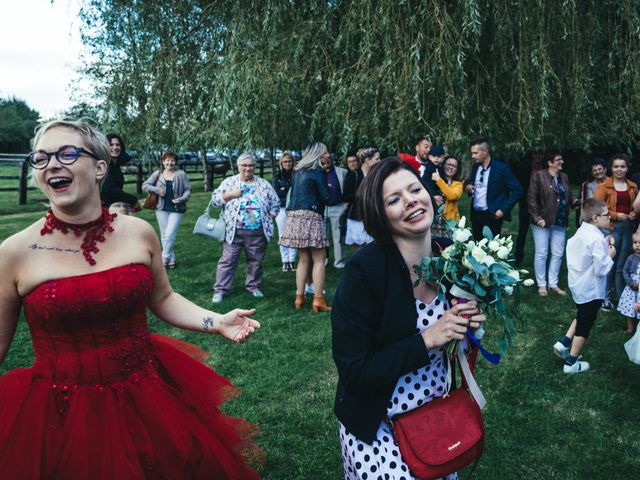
(254, 244)
(332, 216)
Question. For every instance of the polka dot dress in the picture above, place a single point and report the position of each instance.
(627, 302)
(381, 460)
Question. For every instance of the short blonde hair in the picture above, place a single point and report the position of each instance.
(95, 141)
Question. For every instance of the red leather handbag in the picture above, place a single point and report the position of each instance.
(443, 436)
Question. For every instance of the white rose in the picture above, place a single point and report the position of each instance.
(488, 260)
(515, 275)
(462, 222)
(446, 253)
(461, 235)
(508, 289)
(528, 282)
(503, 253)
(494, 245)
(478, 253)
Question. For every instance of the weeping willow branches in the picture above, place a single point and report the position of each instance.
(280, 73)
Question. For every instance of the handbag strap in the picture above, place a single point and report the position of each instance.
(468, 381)
(206, 209)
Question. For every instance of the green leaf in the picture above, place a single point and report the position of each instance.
(479, 291)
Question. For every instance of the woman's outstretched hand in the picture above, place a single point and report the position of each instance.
(453, 325)
(237, 326)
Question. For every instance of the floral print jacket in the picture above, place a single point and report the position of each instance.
(269, 204)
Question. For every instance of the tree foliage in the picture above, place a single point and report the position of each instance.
(250, 73)
(17, 124)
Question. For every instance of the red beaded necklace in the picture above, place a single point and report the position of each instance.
(95, 231)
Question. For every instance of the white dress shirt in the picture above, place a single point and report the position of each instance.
(588, 262)
(480, 186)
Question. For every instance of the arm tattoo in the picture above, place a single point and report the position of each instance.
(207, 323)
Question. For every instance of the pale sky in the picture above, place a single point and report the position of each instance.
(39, 46)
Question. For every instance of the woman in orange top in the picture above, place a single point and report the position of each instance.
(450, 186)
(619, 194)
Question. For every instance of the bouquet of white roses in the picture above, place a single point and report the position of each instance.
(470, 270)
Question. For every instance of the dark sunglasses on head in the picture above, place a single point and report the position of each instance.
(66, 155)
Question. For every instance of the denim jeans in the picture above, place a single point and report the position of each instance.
(287, 254)
(169, 223)
(542, 237)
(622, 231)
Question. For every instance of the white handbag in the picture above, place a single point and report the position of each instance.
(213, 228)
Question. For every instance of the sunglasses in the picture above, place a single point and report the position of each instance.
(66, 155)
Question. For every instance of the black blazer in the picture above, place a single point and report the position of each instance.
(375, 339)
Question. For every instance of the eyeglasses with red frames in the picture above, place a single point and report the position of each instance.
(66, 155)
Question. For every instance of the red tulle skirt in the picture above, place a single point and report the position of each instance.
(161, 422)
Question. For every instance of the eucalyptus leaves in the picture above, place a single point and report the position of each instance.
(478, 270)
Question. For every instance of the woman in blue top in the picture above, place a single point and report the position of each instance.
(173, 190)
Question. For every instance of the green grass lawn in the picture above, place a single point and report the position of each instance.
(540, 423)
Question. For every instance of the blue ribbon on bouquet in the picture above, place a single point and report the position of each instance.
(490, 357)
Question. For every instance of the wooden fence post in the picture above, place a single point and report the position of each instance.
(22, 190)
(139, 179)
(208, 179)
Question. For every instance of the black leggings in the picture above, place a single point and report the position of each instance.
(586, 317)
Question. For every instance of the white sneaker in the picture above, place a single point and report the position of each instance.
(257, 294)
(578, 367)
(561, 350)
(217, 297)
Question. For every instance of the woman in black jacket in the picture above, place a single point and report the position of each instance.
(387, 334)
(112, 187)
(282, 184)
(305, 227)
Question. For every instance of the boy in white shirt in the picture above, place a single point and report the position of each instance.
(589, 260)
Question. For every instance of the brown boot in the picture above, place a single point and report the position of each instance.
(299, 301)
(319, 304)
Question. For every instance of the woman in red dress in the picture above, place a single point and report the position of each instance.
(105, 398)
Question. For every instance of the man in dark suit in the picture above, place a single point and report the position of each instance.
(494, 188)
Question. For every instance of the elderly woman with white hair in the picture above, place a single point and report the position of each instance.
(250, 204)
(305, 227)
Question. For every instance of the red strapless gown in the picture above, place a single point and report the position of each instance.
(105, 399)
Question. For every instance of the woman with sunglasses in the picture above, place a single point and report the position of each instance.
(549, 200)
(105, 398)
